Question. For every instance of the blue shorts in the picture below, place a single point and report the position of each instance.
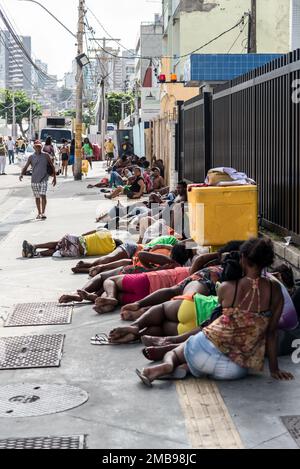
(204, 359)
(130, 248)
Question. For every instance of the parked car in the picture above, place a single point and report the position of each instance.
(22, 159)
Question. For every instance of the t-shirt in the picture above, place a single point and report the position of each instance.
(10, 145)
(39, 167)
(88, 151)
(109, 147)
(99, 244)
(163, 240)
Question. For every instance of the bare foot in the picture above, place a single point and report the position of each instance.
(156, 354)
(154, 372)
(132, 315)
(107, 302)
(80, 264)
(84, 295)
(95, 271)
(131, 307)
(80, 270)
(123, 335)
(69, 299)
(150, 341)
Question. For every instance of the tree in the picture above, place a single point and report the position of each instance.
(115, 101)
(22, 105)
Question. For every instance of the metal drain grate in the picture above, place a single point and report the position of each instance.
(33, 400)
(39, 314)
(36, 351)
(292, 423)
(48, 442)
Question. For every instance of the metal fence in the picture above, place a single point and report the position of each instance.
(254, 127)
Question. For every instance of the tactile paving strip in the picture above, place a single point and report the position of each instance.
(36, 351)
(32, 400)
(39, 314)
(292, 423)
(48, 442)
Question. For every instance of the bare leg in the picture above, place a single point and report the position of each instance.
(171, 361)
(109, 300)
(161, 296)
(161, 320)
(177, 339)
(44, 203)
(115, 193)
(38, 206)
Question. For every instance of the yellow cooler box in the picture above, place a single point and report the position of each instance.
(221, 214)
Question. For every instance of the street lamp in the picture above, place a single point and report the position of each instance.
(82, 60)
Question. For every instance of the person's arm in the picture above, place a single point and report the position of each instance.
(161, 246)
(24, 170)
(141, 192)
(50, 162)
(202, 260)
(272, 332)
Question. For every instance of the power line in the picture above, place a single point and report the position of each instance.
(110, 36)
(20, 44)
(236, 40)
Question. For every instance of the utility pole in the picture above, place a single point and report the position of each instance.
(13, 115)
(103, 114)
(79, 94)
(30, 118)
(252, 36)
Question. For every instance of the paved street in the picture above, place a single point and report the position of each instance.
(120, 412)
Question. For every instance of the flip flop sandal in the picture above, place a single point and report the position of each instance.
(146, 381)
(103, 339)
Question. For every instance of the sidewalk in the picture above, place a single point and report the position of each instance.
(120, 412)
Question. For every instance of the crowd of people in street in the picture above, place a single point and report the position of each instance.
(212, 314)
(8, 148)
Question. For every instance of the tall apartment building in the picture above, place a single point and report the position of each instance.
(149, 45)
(18, 70)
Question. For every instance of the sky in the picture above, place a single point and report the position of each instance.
(53, 45)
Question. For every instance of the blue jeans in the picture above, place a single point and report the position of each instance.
(203, 359)
(115, 179)
(11, 156)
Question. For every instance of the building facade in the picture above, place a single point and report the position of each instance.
(18, 70)
(149, 46)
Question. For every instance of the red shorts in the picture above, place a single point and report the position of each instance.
(135, 287)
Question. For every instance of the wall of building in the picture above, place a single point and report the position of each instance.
(295, 24)
(273, 26)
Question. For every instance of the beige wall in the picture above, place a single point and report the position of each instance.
(273, 26)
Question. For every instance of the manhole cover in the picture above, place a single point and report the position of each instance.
(30, 400)
(292, 423)
(48, 442)
(36, 351)
(39, 314)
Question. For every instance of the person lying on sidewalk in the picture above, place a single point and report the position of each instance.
(94, 243)
(133, 191)
(202, 279)
(234, 344)
(128, 250)
(159, 258)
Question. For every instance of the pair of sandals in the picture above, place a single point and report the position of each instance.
(41, 217)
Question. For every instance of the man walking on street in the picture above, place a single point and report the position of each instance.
(3, 154)
(11, 147)
(42, 167)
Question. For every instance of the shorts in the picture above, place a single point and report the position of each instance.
(130, 248)
(187, 316)
(39, 189)
(204, 359)
(135, 288)
(110, 156)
